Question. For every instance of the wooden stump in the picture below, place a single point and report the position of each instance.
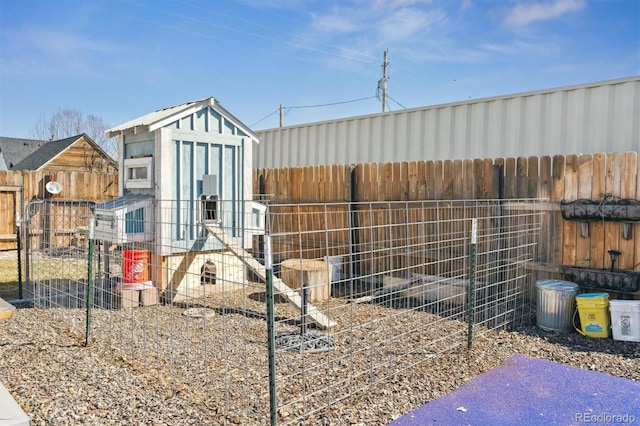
(315, 275)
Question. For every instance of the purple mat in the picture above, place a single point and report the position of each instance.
(534, 392)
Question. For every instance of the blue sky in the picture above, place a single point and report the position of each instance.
(119, 59)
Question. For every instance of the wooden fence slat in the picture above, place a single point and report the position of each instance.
(430, 180)
(570, 193)
(612, 185)
(412, 171)
(468, 186)
(478, 177)
(545, 178)
(447, 180)
(597, 236)
(422, 180)
(492, 179)
(627, 180)
(533, 176)
(522, 185)
(438, 184)
(584, 189)
(395, 185)
(457, 180)
(510, 180)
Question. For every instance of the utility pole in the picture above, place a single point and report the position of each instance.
(382, 83)
(281, 114)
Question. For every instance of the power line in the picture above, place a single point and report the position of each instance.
(282, 113)
(261, 120)
(404, 107)
(331, 104)
(285, 110)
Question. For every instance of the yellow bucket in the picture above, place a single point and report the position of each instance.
(594, 314)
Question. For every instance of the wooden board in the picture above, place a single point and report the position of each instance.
(7, 310)
(289, 294)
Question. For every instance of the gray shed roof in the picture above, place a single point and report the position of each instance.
(14, 150)
(50, 150)
(165, 116)
(40, 157)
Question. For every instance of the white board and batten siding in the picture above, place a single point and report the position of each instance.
(582, 119)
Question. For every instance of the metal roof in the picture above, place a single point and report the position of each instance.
(165, 116)
(581, 119)
(123, 201)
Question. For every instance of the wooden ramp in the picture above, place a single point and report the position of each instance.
(6, 309)
(258, 268)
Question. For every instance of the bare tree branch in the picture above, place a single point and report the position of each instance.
(70, 122)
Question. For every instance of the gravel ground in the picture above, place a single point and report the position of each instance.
(58, 381)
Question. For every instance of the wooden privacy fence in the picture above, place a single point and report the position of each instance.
(17, 188)
(554, 178)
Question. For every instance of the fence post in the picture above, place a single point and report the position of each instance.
(303, 319)
(90, 281)
(471, 311)
(268, 260)
(19, 253)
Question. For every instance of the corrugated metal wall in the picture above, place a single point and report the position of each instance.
(589, 118)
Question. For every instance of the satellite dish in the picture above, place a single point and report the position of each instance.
(53, 187)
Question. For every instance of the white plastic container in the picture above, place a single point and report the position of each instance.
(625, 320)
(336, 262)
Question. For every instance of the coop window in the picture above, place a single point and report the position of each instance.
(258, 216)
(134, 221)
(138, 173)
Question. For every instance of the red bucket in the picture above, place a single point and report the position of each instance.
(135, 268)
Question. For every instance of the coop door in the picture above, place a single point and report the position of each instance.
(209, 201)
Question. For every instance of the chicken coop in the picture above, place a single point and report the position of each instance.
(181, 166)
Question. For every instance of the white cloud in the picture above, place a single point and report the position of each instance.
(38, 51)
(407, 22)
(525, 13)
(333, 23)
(537, 48)
(380, 21)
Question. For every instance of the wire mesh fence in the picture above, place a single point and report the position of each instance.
(362, 292)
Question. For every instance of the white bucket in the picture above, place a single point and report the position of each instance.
(336, 262)
(625, 320)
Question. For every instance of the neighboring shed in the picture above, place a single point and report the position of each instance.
(169, 160)
(581, 119)
(76, 153)
(14, 150)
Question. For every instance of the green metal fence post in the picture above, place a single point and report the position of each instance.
(90, 281)
(19, 253)
(471, 310)
(273, 401)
